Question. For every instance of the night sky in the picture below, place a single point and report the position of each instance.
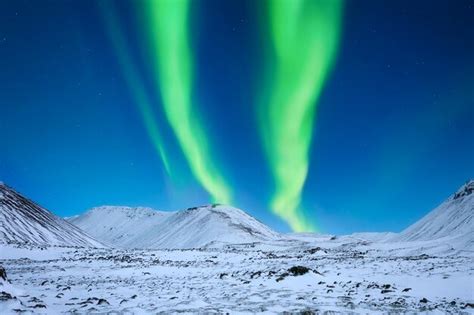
(391, 137)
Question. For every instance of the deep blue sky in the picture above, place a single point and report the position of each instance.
(392, 138)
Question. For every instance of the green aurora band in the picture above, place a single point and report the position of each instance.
(168, 30)
(133, 79)
(304, 43)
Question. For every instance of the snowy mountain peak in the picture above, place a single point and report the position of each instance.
(191, 228)
(453, 219)
(23, 221)
(129, 212)
(465, 190)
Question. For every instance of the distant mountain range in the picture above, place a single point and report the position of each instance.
(22, 221)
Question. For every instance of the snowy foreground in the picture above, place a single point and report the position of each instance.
(296, 274)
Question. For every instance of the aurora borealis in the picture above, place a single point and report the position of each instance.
(141, 98)
(324, 115)
(173, 61)
(304, 36)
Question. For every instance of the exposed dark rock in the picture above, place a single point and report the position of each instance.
(34, 300)
(298, 270)
(282, 276)
(466, 190)
(314, 250)
(3, 273)
(222, 275)
(39, 306)
(5, 296)
(103, 302)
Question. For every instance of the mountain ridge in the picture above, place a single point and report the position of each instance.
(189, 228)
(452, 219)
(24, 221)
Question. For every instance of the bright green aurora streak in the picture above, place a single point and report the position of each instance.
(168, 26)
(304, 37)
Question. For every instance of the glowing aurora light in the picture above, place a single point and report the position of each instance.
(304, 37)
(173, 63)
(133, 80)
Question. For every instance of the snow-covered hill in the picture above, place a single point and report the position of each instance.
(128, 227)
(452, 220)
(119, 226)
(23, 221)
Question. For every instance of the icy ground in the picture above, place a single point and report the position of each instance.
(345, 275)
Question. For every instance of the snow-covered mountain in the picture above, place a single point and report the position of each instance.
(23, 221)
(453, 219)
(128, 227)
(120, 226)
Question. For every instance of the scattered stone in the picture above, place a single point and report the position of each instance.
(282, 276)
(314, 250)
(298, 270)
(103, 302)
(5, 296)
(423, 300)
(222, 275)
(386, 291)
(34, 300)
(39, 306)
(3, 274)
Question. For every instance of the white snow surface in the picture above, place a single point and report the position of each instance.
(127, 227)
(341, 275)
(23, 221)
